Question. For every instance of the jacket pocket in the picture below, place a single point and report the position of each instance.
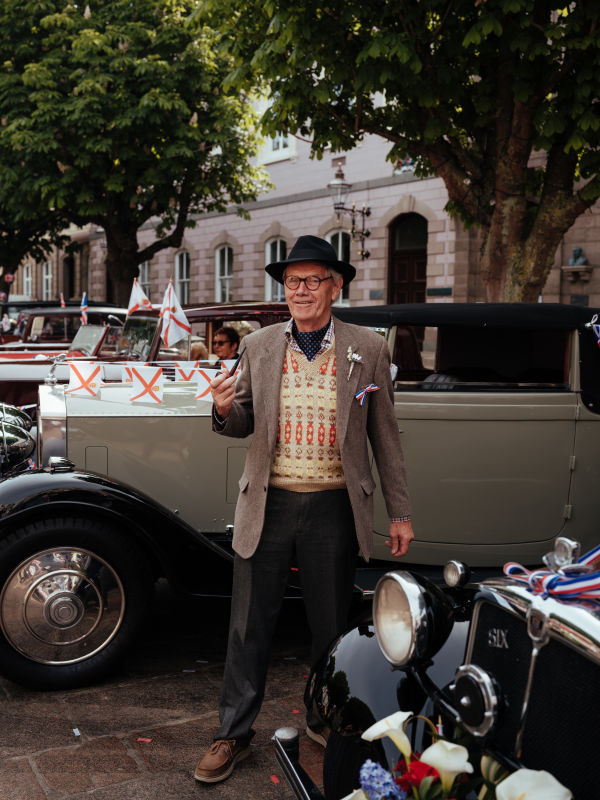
(243, 483)
(368, 485)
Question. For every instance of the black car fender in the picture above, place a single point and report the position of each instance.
(354, 686)
(33, 495)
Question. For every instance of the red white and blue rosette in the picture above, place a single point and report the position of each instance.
(360, 396)
(578, 581)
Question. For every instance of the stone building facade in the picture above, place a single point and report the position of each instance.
(416, 251)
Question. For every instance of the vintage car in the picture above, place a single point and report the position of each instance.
(24, 367)
(498, 406)
(16, 313)
(507, 666)
(53, 327)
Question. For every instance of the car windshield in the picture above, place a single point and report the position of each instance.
(137, 336)
(88, 338)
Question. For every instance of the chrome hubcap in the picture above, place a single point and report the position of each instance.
(61, 606)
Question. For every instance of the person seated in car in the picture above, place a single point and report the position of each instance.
(198, 352)
(226, 341)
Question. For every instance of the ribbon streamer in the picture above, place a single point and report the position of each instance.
(584, 584)
(360, 396)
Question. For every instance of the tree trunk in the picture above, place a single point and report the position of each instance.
(122, 264)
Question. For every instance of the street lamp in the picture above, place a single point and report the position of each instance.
(339, 191)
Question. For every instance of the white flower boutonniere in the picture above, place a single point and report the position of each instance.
(353, 358)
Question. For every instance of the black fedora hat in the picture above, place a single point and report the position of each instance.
(311, 248)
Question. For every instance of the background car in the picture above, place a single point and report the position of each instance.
(498, 464)
(52, 323)
(134, 337)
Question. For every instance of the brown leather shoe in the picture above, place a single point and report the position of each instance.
(220, 759)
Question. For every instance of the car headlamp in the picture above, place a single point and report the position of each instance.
(412, 617)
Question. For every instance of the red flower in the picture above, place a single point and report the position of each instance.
(414, 774)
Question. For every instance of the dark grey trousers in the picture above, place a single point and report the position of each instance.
(316, 531)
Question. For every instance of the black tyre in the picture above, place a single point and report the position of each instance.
(73, 592)
(344, 756)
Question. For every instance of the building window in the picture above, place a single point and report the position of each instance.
(340, 241)
(223, 274)
(182, 277)
(27, 285)
(276, 250)
(144, 278)
(280, 143)
(46, 281)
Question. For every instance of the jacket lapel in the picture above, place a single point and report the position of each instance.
(270, 370)
(346, 387)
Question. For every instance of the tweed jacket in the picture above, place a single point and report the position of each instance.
(255, 410)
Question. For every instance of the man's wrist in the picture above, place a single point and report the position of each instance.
(401, 519)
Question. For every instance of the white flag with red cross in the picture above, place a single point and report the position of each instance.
(147, 385)
(175, 325)
(85, 378)
(138, 300)
(185, 370)
(203, 378)
(126, 376)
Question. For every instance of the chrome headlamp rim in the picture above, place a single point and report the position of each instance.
(412, 593)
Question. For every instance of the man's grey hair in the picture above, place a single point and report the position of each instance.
(337, 276)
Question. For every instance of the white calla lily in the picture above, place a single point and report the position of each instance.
(448, 759)
(531, 784)
(392, 727)
(357, 794)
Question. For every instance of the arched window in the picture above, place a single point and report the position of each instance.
(224, 274)
(182, 277)
(340, 241)
(144, 277)
(275, 250)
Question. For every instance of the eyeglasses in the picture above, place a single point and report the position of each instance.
(219, 342)
(311, 282)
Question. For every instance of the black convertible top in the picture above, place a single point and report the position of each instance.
(498, 315)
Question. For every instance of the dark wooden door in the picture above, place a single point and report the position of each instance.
(408, 276)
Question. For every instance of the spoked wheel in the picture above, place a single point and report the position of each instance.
(73, 594)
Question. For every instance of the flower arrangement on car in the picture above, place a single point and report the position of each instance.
(442, 772)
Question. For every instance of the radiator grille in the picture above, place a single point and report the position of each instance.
(560, 733)
(561, 729)
(508, 666)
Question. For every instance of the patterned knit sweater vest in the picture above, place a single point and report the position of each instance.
(307, 453)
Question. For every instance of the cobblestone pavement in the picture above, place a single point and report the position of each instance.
(139, 733)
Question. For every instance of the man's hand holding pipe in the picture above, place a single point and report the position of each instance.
(222, 388)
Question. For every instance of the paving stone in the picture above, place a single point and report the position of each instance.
(33, 725)
(17, 781)
(141, 703)
(151, 697)
(176, 747)
(97, 763)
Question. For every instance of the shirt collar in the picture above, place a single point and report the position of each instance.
(325, 342)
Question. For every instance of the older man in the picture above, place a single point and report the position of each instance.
(306, 494)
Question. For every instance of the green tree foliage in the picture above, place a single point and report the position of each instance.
(497, 97)
(116, 114)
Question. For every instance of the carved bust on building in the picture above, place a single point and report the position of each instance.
(577, 258)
